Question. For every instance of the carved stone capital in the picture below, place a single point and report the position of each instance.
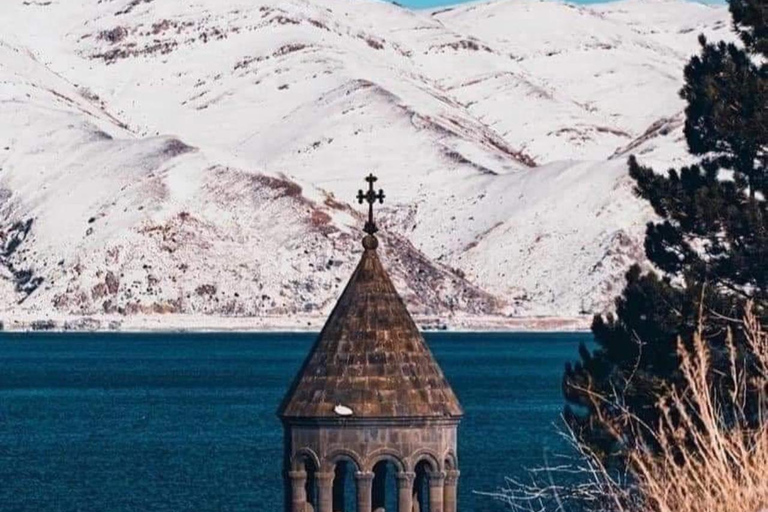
(405, 480)
(452, 476)
(364, 478)
(324, 476)
(436, 479)
(297, 475)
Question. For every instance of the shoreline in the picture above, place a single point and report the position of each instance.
(170, 324)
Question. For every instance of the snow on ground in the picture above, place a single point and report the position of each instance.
(205, 154)
(104, 222)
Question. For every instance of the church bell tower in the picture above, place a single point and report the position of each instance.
(370, 422)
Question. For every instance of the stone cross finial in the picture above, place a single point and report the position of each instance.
(370, 197)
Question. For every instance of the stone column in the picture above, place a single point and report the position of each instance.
(364, 484)
(449, 495)
(436, 486)
(324, 491)
(405, 491)
(298, 490)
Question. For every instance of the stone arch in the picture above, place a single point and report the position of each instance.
(297, 461)
(427, 456)
(450, 461)
(424, 463)
(343, 455)
(451, 466)
(387, 454)
(304, 489)
(385, 464)
(345, 465)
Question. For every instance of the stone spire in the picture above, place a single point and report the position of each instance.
(370, 358)
(370, 401)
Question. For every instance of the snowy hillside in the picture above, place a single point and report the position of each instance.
(202, 156)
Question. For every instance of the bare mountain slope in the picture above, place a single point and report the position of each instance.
(210, 151)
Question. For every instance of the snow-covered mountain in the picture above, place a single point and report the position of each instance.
(160, 157)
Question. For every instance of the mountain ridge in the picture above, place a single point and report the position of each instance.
(502, 156)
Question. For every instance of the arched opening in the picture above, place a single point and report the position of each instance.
(450, 461)
(344, 487)
(311, 485)
(306, 464)
(385, 487)
(421, 486)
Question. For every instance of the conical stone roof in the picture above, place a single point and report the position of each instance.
(370, 360)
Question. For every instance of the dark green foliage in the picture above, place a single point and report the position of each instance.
(726, 114)
(750, 20)
(710, 246)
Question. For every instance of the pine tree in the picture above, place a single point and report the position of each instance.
(709, 248)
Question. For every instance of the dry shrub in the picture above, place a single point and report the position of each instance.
(710, 452)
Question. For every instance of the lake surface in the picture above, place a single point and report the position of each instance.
(186, 422)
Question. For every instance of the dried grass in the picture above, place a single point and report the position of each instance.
(708, 456)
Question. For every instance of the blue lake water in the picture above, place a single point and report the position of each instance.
(186, 422)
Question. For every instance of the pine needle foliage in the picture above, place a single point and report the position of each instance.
(709, 250)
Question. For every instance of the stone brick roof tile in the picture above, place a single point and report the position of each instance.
(370, 357)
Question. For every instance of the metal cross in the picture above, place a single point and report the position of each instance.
(371, 197)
